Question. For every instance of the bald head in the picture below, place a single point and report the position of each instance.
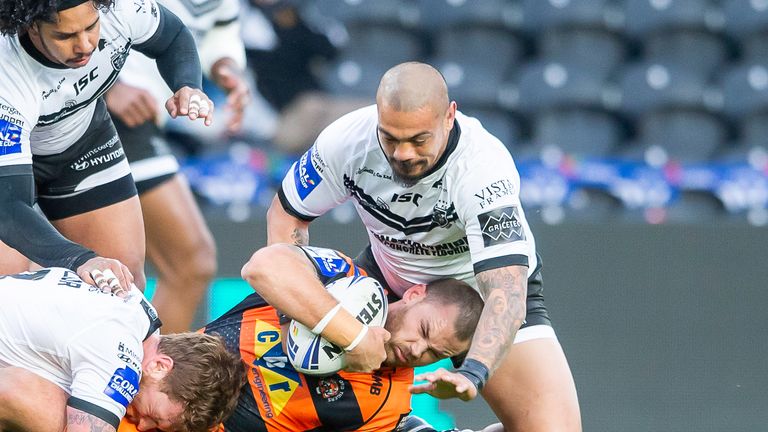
(410, 86)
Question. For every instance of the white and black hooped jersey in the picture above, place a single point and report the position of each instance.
(45, 107)
(85, 341)
(463, 218)
(200, 17)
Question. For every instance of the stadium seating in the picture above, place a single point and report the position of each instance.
(593, 49)
(541, 15)
(435, 15)
(644, 85)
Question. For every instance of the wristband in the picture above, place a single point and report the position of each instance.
(320, 326)
(358, 339)
(475, 371)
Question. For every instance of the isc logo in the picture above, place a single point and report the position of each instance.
(407, 197)
(85, 80)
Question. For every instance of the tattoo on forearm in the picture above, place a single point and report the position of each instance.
(505, 291)
(86, 422)
(300, 237)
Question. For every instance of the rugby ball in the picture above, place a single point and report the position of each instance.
(309, 353)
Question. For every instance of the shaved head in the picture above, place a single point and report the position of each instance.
(411, 86)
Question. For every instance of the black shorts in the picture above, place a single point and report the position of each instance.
(91, 174)
(151, 159)
(536, 311)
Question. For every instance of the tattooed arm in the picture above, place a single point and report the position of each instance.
(505, 291)
(79, 421)
(285, 228)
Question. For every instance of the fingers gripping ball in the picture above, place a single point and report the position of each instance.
(312, 354)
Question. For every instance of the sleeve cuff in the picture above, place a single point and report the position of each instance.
(289, 209)
(499, 262)
(95, 411)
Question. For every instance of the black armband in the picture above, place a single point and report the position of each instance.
(27, 231)
(475, 371)
(173, 48)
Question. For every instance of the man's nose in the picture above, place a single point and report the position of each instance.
(404, 152)
(84, 45)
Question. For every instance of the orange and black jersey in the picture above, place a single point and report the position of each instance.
(278, 398)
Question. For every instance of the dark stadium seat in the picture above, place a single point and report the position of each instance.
(439, 14)
(685, 135)
(647, 16)
(472, 85)
(578, 131)
(744, 90)
(697, 51)
(383, 44)
(592, 49)
(753, 129)
(354, 77)
(547, 14)
(481, 46)
(755, 48)
(744, 18)
(549, 85)
(393, 12)
(499, 123)
(653, 86)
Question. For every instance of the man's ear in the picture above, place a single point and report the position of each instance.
(159, 366)
(415, 293)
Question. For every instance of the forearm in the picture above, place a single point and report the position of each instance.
(285, 278)
(27, 231)
(173, 48)
(285, 228)
(504, 290)
(79, 421)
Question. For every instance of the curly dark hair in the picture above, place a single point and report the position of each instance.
(17, 15)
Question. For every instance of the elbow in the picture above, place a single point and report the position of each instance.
(264, 265)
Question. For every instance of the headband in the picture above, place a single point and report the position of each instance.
(68, 4)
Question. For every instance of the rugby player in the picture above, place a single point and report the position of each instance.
(179, 243)
(57, 139)
(429, 323)
(73, 358)
(440, 197)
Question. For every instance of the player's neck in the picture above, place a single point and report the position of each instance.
(150, 347)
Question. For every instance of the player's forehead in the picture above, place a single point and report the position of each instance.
(439, 323)
(75, 19)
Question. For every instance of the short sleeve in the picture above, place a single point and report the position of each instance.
(16, 124)
(329, 264)
(488, 202)
(315, 183)
(142, 18)
(106, 370)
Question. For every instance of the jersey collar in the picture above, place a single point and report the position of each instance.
(450, 147)
(33, 52)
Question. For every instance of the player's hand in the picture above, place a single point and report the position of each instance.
(370, 353)
(132, 105)
(444, 384)
(191, 103)
(226, 75)
(110, 275)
